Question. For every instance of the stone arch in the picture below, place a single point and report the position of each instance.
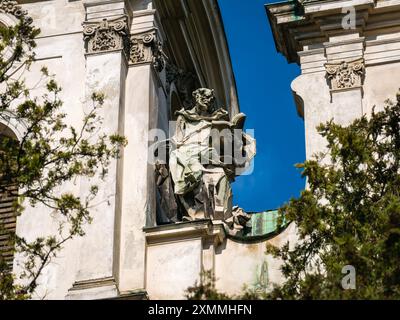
(8, 214)
(174, 102)
(10, 126)
(8, 20)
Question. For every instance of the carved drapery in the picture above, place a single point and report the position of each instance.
(106, 35)
(146, 48)
(346, 75)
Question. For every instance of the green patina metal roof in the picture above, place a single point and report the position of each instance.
(261, 225)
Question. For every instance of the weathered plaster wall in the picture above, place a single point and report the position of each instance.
(246, 265)
(111, 258)
(59, 48)
(381, 83)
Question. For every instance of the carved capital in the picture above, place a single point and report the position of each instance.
(146, 48)
(106, 35)
(346, 75)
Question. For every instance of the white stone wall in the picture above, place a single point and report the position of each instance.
(377, 43)
(113, 249)
(114, 257)
(59, 47)
(240, 266)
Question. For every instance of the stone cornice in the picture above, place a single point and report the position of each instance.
(181, 231)
(297, 27)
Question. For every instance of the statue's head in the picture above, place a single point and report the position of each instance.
(204, 99)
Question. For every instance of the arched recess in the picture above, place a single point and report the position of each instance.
(8, 197)
(11, 132)
(174, 102)
(7, 20)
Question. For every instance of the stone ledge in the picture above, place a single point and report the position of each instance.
(93, 289)
(186, 230)
(320, 22)
(94, 283)
(135, 295)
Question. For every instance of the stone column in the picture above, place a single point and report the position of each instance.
(105, 33)
(138, 182)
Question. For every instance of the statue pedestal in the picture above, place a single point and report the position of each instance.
(177, 254)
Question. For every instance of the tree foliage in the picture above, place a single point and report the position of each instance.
(48, 155)
(349, 215)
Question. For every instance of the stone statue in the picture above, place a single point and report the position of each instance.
(201, 170)
(167, 210)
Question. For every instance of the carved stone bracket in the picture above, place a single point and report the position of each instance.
(346, 75)
(146, 48)
(106, 35)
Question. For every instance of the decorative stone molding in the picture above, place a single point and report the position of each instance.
(106, 35)
(346, 75)
(12, 7)
(93, 289)
(146, 48)
(206, 229)
(306, 1)
(94, 283)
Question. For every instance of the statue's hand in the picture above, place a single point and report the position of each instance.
(190, 177)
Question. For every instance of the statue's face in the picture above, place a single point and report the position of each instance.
(205, 99)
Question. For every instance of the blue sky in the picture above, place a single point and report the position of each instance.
(263, 79)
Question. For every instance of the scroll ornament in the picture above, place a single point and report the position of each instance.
(106, 35)
(145, 48)
(345, 75)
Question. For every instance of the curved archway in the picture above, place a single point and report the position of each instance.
(7, 20)
(174, 102)
(8, 198)
(11, 126)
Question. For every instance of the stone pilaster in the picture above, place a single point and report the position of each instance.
(345, 71)
(143, 98)
(105, 33)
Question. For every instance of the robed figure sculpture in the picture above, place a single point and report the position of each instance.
(208, 151)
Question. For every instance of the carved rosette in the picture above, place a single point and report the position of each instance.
(106, 35)
(146, 48)
(12, 7)
(346, 74)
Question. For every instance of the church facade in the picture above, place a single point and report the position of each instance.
(147, 240)
(161, 64)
